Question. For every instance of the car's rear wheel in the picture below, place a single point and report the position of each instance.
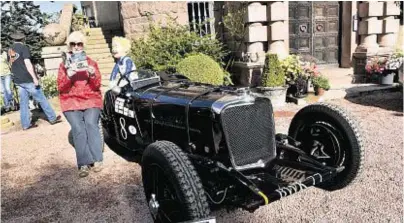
(329, 135)
(101, 129)
(173, 189)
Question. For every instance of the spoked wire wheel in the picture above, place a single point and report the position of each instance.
(324, 142)
(330, 136)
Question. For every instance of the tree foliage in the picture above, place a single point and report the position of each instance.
(165, 46)
(27, 17)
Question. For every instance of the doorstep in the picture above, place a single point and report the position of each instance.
(357, 90)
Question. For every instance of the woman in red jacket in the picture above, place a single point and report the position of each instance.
(79, 82)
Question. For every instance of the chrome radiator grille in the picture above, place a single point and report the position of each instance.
(250, 133)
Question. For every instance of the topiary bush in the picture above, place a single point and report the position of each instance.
(201, 68)
(274, 74)
(164, 47)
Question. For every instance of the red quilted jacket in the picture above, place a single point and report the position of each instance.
(80, 91)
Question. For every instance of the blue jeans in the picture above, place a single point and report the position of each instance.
(26, 89)
(6, 90)
(86, 135)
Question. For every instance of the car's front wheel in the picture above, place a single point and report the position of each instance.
(173, 189)
(329, 135)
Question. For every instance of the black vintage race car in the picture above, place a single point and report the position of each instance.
(206, 147)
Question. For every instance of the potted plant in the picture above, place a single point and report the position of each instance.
(395, 64)
(321, 84)
(377, 68)
(299, 70)
(273, 82)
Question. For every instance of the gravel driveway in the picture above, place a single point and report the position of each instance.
(40, 182)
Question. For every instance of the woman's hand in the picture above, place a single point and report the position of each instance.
(70, 72)
(91, 71)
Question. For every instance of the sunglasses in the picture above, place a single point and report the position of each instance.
(79, 44)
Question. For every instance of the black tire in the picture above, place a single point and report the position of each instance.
(165, 167)
(343, 135)
(70, 136)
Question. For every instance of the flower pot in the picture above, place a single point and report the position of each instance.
(298, 88)
(387, 79)
(277, 95)
(319, 91)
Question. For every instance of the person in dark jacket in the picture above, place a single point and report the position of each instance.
(79, 82)
(27, 82)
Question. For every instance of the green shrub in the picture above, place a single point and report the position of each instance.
(49, 86)
(292, 67)
(273, 75)
(201, 68)
(164, 47)
(321, 82)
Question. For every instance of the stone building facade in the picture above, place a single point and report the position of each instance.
(340, 34)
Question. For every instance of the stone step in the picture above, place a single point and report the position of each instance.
(105, 61)
(97, 46)
(106, 71)
(97, 51)
(95, 37)
(100, 56)
(95, 29)
(97, 41)
(106, 66)
(357, 90)
(105, 78)
(4, 120)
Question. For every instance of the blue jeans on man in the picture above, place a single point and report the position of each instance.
(86, 135)
(27, 89)
(6, 90)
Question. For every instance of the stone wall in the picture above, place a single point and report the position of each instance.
(136, 15)
(378, 32)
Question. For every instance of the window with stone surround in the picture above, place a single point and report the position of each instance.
(201, 17)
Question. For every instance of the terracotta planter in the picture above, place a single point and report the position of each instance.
(319, 91)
